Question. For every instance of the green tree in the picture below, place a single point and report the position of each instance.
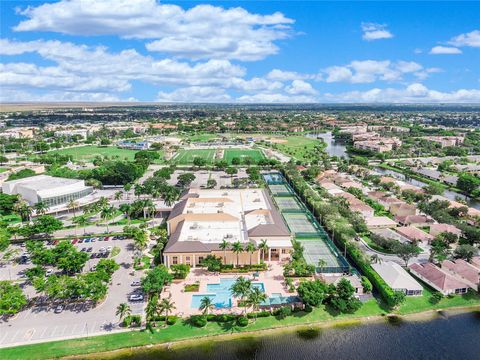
(250, 248)
(237, 249)
(166, 306)
(255, 298)
(41, 208)
(241, 288)
(123, 310)
(407, 251)
(467, 182)
(185, 179)
(82, 221)
(466, 252)
(12, 298)
(155, 279)
(263, 247)
(224, 245)
(106, 214)
(313, 292)
(343, 298)
(206, 305)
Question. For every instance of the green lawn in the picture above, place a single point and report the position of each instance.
(185, 157)
(204, 137)
(254, 154)
(2, 169)
(299, 147)
(182, 330)
(88, 153)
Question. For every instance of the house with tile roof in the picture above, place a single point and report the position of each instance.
(438, 279)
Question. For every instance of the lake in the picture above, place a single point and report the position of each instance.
(334, 148)
(447, 336)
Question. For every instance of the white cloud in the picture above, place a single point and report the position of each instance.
(198, 94)
(471, 39)
(368, 71)
(9, 95)
(281, 75)
(300, 87)
(276, 98)
(414, 93)
(374, 31)
(204, 31)
(445, 50)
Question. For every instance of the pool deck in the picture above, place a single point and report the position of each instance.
(272, 279)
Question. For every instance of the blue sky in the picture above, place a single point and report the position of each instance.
(290, 52)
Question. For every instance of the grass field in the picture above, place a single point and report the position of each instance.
(299, 147)
(86, 153)
(204, 137)
(186, 157)
(254, 154)
(3, 169)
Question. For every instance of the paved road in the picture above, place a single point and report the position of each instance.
(41, 323)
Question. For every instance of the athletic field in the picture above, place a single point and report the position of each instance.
(89, 152)
(186, 157)
(315, 249)
(242, 154)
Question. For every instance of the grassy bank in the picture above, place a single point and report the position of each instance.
(184, 331)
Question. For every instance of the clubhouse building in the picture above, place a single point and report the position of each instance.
(203, 219)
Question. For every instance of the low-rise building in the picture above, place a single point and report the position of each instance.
(52, 191)
(399, 209)
(438, 279)
(388, 201)
(380, 222)
(398, 278)
(436, 229)
(445, 141)
(414, 234)
(464, 271)
(414, 220)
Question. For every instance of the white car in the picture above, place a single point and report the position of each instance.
(49, 272)
(136, 283)
(136, 297)
(109, 249)
(101, 250)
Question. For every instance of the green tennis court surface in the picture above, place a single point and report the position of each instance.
(186, 157)
(299, 223)
(316, 249)
(279, 189)
(287, 202)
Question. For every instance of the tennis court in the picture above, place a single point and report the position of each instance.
(279, 189)
(299, 223)
(186, 157)
(287, 202)
(316, 249)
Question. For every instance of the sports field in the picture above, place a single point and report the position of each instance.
(186, 157)
(86, 153)
(315, 249)
(242, 154)
(287, 202)
(279, 189)
(299, 223)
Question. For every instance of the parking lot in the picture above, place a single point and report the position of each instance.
(41, 322)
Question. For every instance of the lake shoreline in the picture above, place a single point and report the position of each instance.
(200, 340)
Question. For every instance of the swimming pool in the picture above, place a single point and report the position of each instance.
(278, 299)
(220, 293)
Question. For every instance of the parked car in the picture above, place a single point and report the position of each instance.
(55, 242)
(84, 249)
(93, 256)
(59, 309)
(93, 239)
(101, 250)
(136, 297)
(90, 249)
(87, 240)
(80, 241)
(49, 272)
(106, 238)
(109, 249)
(136, 283)
(74, 241)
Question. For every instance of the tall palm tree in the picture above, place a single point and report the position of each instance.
(374, 259)
(237, 248)
(41, 208)
(255, 298)
(123, 310)
(166, 306)
(82, 221)
(140, 240)
(152, 308)
(127, 210)
(250, 248)
(24, 210)
(241, 288)
(127, 188)
(263, 247)
(73, 205)
(118, 195)
(138, 190)
(170, 195)
(106, 214)
(206, 305)
(224, 245)
(102, 202)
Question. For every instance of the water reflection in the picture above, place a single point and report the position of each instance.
(334, 148)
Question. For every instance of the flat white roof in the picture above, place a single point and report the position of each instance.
(396, 276)
(44, 182)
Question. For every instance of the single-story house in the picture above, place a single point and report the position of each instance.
(388, 201)
(436, 229)
(476, 261)
(380, 222)
(438, 279)
(414, 220)
(387, 179)
(398, 278)
(414, 234)
(351, 184)
(376, 195)
(464, 271)
(390, 234)
(403, 209)
(365, 210)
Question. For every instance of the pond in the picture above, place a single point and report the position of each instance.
(334, 148)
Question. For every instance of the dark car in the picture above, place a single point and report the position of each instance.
(90, 249)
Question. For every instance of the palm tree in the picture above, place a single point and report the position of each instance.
(82, 221)
(127, 210)
(206, 305)
(224, 245)
(138, 190)
(152, 308)
(170, 195)
(118, 195)
(72, 205)
(123, 310)
(24, 210)
(321, 264)
(255, 298)
(241, 288)
(237, 248)
(250, 248)
(41, 208)
(166, 305)
(102, 202)
(374, 259)
(140, 240)
(106, 214)
(263, 247)
(127, 188)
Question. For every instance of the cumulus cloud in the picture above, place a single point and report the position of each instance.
(262, 98)
(374, 31)
(445, 50)
(196, 94)
(471, 39)
(413, 93)
(368, 71)
(204, 31)
(300, 87)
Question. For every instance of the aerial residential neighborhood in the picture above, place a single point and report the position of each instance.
(239, 180)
